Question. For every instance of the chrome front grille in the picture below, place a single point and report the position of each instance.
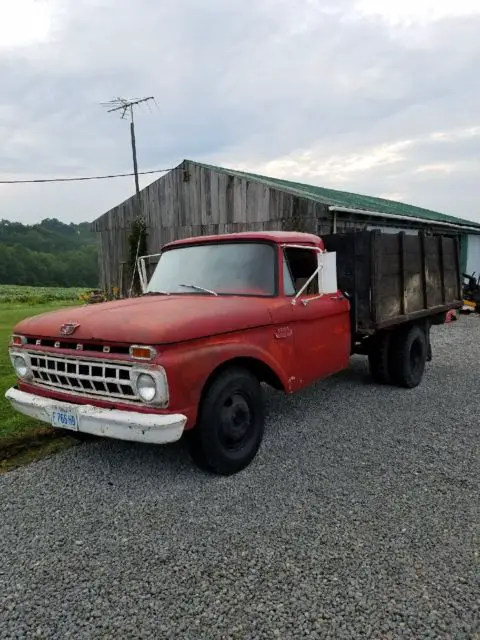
(81, 376)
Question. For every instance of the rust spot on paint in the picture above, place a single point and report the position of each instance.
(283, 332)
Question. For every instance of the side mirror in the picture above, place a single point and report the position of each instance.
(142, 273)
(142, 270)
(327, 272)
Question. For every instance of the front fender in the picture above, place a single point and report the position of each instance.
(189, 366)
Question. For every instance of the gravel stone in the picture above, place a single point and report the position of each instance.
(358, 519)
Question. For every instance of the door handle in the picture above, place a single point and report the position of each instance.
(337, 297)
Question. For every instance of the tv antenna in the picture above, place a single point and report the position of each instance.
(126, 107)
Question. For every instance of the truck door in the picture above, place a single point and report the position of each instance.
(320, 324)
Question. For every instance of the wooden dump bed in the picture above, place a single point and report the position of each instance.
(394, 278)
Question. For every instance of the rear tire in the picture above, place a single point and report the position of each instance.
(408, 355)
(230, 425)
(429, 345)
(378, 358)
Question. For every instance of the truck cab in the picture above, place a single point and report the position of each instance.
(287, 277)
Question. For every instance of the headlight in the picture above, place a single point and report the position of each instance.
(21, 367)
(21, 364)
(146, 387)
(150, 384)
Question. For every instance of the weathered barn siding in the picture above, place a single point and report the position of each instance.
(194, 200)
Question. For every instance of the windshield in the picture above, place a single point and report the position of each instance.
(240, 268)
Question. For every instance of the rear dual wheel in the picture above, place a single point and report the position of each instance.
(399, 357)
(378, 358)
(408, 355)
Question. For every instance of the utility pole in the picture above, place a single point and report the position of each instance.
(126, 106)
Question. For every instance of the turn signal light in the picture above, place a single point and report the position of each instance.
(142, 353)
(17, 341)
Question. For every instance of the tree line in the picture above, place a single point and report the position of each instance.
(49, 253)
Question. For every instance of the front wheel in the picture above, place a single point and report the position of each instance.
(231, 421)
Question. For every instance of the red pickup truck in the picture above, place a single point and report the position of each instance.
(221, 315)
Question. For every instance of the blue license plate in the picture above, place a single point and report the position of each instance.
(65, 419)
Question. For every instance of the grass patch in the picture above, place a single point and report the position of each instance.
(15, 458)
(12, 423)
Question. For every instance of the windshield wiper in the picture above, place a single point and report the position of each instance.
(195, 286)
(156, 293)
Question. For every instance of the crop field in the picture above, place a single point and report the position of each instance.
(14, 294)
(12, 311)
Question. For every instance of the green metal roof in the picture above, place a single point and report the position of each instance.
(332, 197)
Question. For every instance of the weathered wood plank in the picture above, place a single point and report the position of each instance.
(214, 200)
(441, 260)
(433, 272)
(222, 216)
(403, 260)
(202, 175)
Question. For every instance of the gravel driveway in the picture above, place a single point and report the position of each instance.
(359, 519)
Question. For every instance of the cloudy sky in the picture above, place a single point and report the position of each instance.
(375, 96)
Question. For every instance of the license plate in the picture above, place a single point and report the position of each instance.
(65, 419)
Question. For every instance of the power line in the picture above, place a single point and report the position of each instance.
(81, 178)
(118, 104)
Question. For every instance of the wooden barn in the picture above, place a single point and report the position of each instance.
(197, 199)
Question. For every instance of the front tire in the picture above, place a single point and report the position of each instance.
(231, 422)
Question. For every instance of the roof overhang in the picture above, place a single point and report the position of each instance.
(396, 216)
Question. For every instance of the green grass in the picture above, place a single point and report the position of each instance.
(12, 423)
(33, 452)
(14, 294)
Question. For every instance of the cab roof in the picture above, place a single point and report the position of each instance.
(278, 237)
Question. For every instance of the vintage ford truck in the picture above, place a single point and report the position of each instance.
(219, 316)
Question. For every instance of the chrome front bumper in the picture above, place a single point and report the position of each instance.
(109, 423)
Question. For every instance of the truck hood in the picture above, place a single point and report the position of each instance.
(152, 320)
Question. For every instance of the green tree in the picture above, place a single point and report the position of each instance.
(49, 253)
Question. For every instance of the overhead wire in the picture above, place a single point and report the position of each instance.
(83, 178)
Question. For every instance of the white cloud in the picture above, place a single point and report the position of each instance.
(316, 90)
(456, 134)
(439, 167)
(419, 12)
(398, 196)
(316, 164)
(25, 22)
